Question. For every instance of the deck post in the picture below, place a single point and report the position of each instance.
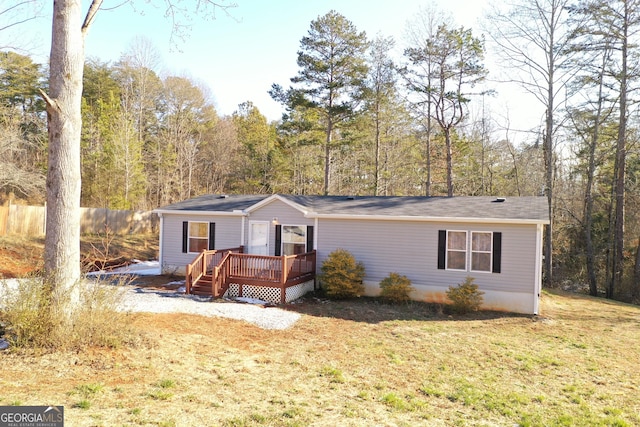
(283, 279)
(313, 266)
(188, 281)
(214, 281)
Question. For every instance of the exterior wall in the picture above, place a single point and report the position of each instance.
(411, 248)
(173, 260)
(285, 214)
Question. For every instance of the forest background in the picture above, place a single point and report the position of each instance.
(361, 119)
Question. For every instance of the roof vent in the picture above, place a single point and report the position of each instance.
(499, 200)
(223, 196)
(351, 198)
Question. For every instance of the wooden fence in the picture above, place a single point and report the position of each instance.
(31, 220)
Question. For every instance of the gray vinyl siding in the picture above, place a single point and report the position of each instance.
(286, 215)
(411, 248)
(227, 236)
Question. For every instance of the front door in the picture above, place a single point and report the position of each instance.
(259, 237)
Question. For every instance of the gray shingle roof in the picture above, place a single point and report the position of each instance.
(216, 203)
(485, 207)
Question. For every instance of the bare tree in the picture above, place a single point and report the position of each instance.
(17, 174)
(531, 38)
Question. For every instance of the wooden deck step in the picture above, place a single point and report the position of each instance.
(203, 288)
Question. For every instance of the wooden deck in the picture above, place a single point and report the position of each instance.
(212, 272)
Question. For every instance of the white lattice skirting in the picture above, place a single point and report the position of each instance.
(271, 295)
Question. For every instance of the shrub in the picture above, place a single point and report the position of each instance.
(396, 288)
(342, 276)
(30, 320)
(465, 297)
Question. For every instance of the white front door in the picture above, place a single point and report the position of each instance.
(259, 237)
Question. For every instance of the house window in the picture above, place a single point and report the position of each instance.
(198, 236)
(294, 239)
(482, 248)
(456, 250)
(481, 251)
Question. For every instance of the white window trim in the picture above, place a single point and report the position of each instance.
(466, 251)
(189, 237)
(471, 252)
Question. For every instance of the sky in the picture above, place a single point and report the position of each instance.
(239, 57)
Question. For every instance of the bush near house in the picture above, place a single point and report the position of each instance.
(465, 297)
(342, 276)
(396, 288)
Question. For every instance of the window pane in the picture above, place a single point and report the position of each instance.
(198, 229)
(456, 260)
(481, 242)
(481, 261)
(457, 240)
(198, 245)
(293, 248)
(293, 234)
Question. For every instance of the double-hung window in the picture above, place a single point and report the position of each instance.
(198, 236)
(456, 250)
(476, 251)
(481, 251)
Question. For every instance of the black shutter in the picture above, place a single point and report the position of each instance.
(212, 236)
(497, 252)
(442, 248)
(278, 250)
(309, 238)
(185, 237)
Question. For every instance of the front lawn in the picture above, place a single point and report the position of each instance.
(352, 363)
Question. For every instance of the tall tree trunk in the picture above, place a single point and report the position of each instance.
(588, 196)
(635, 289)
(62, 241)
(429, 133)
(548, 155)
(327, 157)
(618, 246)
(376, 190)
(447, 139)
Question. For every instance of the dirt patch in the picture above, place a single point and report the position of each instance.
(21, 257)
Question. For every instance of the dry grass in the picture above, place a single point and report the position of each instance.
(353, 363)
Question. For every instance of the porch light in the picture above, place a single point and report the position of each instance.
(274, 221)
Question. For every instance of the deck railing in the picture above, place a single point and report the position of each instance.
(232, 266)
(204, 263)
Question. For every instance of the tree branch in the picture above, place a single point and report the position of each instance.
(91, 15)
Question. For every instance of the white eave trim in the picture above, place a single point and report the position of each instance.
(429, 219)
(206, 213)
(278, 197)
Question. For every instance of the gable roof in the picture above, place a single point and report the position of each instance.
(214, 203)
(462, 208)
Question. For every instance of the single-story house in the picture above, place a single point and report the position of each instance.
(436, 242)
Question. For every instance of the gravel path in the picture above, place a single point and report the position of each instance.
(160, 301)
